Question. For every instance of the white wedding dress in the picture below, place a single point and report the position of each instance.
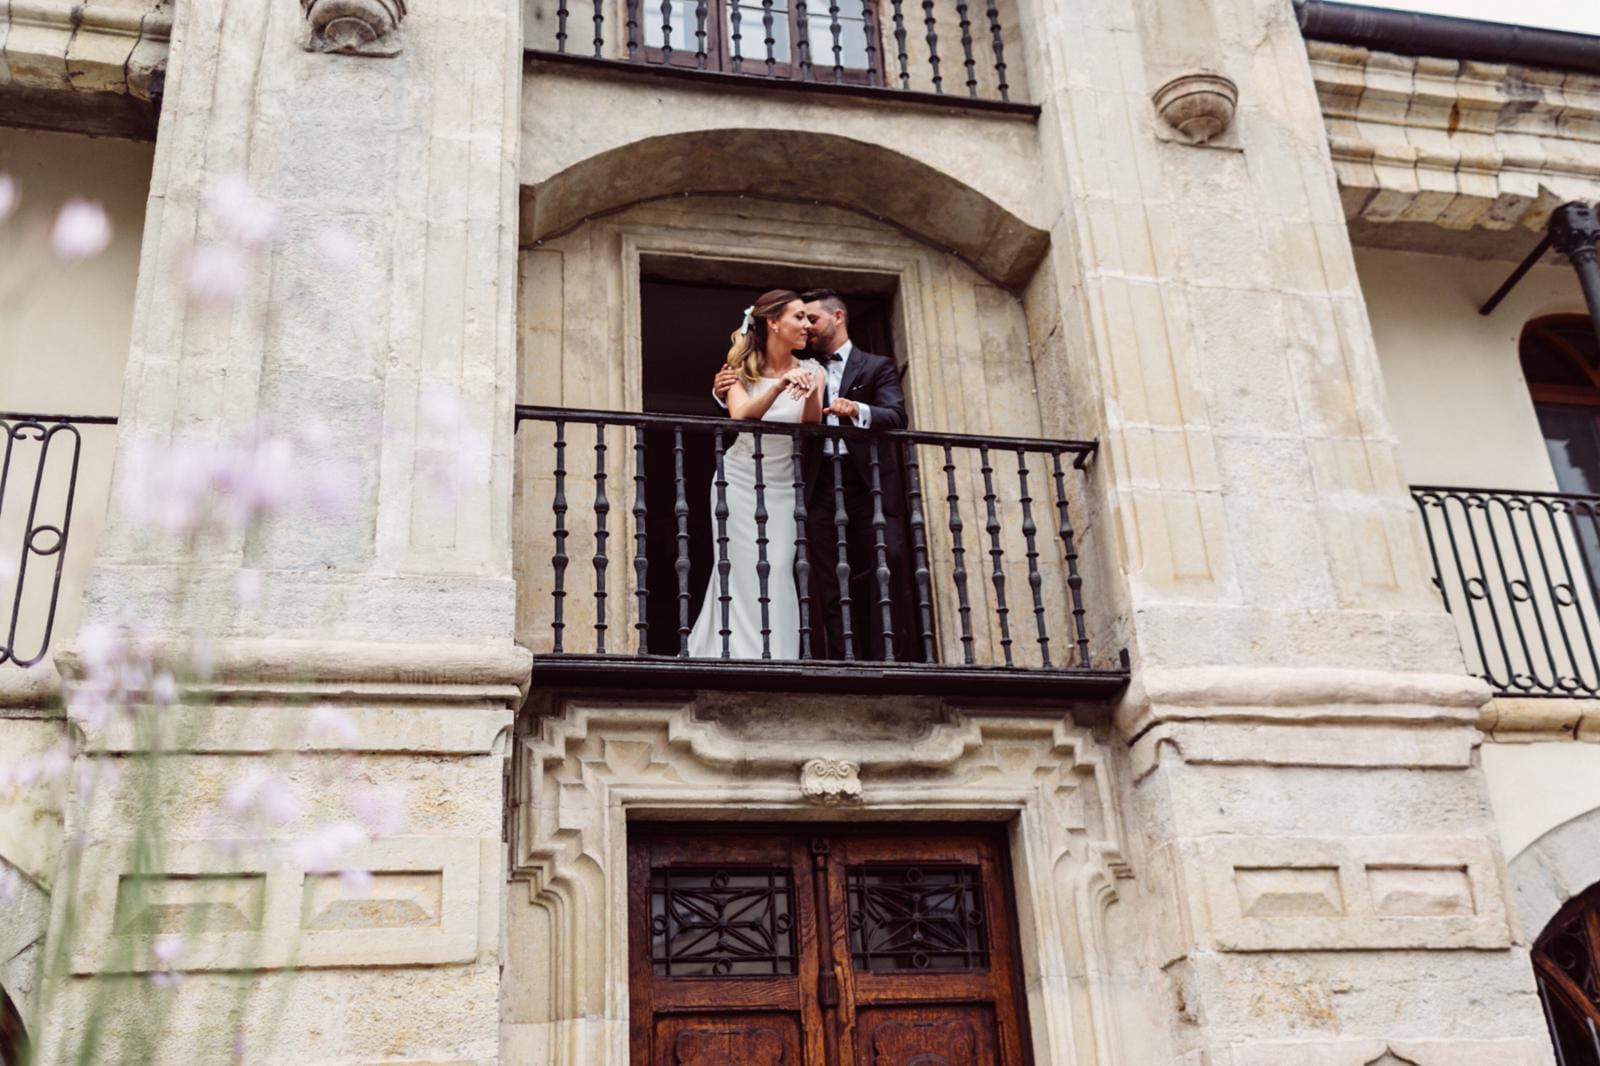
(744, 586)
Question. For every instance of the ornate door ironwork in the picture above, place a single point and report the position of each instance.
(802, 948)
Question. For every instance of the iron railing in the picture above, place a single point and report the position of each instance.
(38, 492)
(1518, 572)
(1001, 505)
(935, 50)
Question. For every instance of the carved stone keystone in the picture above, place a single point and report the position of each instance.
(831, 781)
(1199, 106)
(354, 27)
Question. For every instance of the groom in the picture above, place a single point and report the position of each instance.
(861, 390)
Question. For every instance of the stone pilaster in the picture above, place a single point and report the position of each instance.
(398, 132)
(1302, 730)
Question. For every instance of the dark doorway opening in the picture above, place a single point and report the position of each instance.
(688, 309)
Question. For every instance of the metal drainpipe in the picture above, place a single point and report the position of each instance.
(1574, 230)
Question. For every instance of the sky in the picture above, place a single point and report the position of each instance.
(1576, 16)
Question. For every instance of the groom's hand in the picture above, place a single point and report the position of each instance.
(725, 379)
(843, 408)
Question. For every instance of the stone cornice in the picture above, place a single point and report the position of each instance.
(108, 46)
(1455, 143)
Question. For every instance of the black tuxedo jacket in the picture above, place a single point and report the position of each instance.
(875, 381)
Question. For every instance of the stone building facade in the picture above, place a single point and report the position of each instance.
(1184, 305)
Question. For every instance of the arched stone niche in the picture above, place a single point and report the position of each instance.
(582, 776)
(975, 352)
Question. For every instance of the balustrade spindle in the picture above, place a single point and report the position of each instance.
(869, 27)
(996, 553)
(1074, 581)
(763, 567)
(838, 48)
(841, 570)
(966, 48)
(724, 567)
(633, 30)
(802, 48)
(680, 510)
(999, 51)
(766, 26)
(1030, 533)
(602, 507)
(558, 561)
(802, 557)
(1505, 579)
(919, 552)
(900, 42)
(666, 32)
(561, 26)
(734, 36)
(958, 555)
(700, 34)
(933, 44)
(641, 565)
(599, 31)
(885, 600)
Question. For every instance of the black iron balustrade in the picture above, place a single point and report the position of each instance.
(854, 46)
(964, 639)
(38, 494)
(1518, 572)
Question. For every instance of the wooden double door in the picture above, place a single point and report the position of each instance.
(821, 947)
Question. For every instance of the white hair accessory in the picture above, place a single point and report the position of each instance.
(744, 327)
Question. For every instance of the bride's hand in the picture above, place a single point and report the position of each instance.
(799, 382)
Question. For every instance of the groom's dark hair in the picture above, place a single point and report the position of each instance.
(827, 298)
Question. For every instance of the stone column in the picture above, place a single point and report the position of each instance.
(1304, 781)
(397, 129)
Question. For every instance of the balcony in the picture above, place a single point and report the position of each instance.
(992, 603)
(1517, 571)
(945, 52)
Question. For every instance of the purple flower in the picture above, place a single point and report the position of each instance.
(8, 195)
(82, 230)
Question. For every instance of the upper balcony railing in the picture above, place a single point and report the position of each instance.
(947, 51)
(40, 495)
(990, 599)
(1517, 570)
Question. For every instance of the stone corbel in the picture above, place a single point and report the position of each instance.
(1199, 106)
(354, 27)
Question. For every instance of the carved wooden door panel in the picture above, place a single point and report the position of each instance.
(811, 948)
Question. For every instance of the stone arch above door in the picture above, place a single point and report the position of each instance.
(802, 167)
(1559, 865)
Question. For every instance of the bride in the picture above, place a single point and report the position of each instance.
(773, 386)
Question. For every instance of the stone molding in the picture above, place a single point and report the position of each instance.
(85, 47)
(1286, 894)
(259, 910)
(1381, 1053)
(584, 774)
(1456, 143)
(1290, 716)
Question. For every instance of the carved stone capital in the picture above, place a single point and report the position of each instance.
(831, 781)
(354, 27)
(1199, 106)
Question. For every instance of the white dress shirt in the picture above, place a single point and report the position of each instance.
(834, 370)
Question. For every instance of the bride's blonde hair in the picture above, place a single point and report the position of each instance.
(749, 351)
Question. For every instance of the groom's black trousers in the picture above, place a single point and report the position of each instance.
(866, 613)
